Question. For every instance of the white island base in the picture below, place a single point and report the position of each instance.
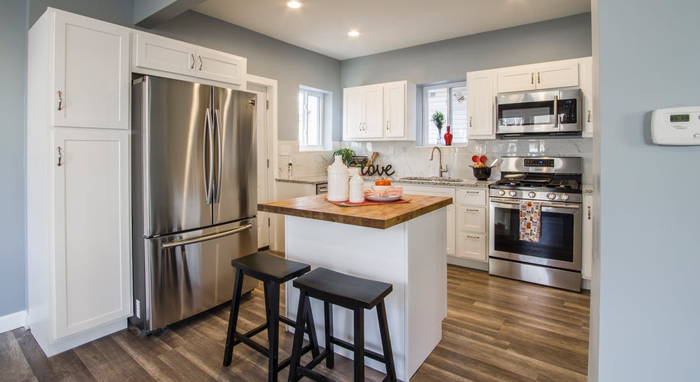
(411, 256)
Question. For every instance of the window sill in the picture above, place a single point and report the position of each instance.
(314, 151)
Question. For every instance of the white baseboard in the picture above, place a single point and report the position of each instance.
(13, 321)
(453, 260)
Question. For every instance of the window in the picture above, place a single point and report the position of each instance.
(451, 100)
(311, 119)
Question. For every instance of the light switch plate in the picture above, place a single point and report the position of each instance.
(285, 150)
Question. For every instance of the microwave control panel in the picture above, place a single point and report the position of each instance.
(678, 126)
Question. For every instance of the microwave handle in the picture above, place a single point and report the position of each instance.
(556, 111)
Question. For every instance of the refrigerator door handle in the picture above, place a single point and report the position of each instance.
(219, 155)
(200, 239)
(208, 177)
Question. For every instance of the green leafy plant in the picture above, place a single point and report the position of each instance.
(438, 119)
(347, 155)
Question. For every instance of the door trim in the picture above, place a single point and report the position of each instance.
(271, 127)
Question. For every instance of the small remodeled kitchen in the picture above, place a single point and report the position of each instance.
(349, 190)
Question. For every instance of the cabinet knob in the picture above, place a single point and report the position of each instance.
(60, 100)
(60, 157)
(193, 60)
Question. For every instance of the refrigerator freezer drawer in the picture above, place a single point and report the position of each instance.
(180, 275)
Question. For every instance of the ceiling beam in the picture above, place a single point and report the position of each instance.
(150, 13)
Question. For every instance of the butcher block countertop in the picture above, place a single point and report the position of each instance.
(379, 216)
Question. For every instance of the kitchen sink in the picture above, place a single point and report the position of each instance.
(431, 179)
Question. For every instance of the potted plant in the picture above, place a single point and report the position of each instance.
(439, 120)
(347, 155)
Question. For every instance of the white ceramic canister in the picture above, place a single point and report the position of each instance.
(357, 185)
(338, 182)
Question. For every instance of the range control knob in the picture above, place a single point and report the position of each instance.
(565, 197)
(531, 194)
(501, 192)
(513, 193)
(551, 196)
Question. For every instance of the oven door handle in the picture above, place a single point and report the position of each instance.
(546, 206)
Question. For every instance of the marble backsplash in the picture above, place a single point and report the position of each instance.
(409, 160)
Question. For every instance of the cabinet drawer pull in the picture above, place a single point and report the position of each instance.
(471, 119)
(473, 192)
(193, 60)
(532, 78)
(60, 163)
(201, 63)
(387, 125)
(538, 78)
(589, 212)
(60, 100)
(472, 210)
(473, 237)
(589, 116)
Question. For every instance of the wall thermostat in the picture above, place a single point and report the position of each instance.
(678, 126)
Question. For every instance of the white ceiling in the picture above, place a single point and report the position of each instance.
(322, 25)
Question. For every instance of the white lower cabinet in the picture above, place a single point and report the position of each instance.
(91, 224)
(472, 223)
(471, 246)
(438, 191)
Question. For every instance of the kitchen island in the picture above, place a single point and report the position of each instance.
(402, 244)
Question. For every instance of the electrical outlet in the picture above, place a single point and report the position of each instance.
(285, 150)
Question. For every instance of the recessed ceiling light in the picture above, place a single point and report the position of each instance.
(293, 4)
(353, 33)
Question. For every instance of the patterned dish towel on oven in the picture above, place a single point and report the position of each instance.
(530, 221)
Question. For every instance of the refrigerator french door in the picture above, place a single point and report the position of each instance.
(194, 199)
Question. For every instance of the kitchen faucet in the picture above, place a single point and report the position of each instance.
(442, 169)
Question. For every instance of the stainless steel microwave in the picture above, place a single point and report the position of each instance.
(552, 112)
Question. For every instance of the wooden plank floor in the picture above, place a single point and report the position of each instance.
(496, 330)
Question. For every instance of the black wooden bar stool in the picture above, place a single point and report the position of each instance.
(272, 271)
(351, 293)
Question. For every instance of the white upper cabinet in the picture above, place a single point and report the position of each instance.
(480, 100)
(160, 54)
(90, 73)
(218, 66)
(558, 74)
(395, 109)
(379, 112)
(92, 259)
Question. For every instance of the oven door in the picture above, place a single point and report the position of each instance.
(560, 240)
(538, 112)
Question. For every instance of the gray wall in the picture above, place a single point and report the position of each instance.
(646, 306)
(291, 66)
(13, 61)
(558, 39)
(114, 11)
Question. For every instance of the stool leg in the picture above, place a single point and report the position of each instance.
(273, 330)
(386, 342)
(267, 304)
(298, 337)
(311, 330)
(233, 318)
(359, 347)
(328, 317)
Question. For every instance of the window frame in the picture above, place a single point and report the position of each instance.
(448, 115)
(305, 130)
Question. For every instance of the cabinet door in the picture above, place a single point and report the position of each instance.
(480, 104)
(92, 259)
(159, 53)
(354, 113)
(587, 239)
(218, 66)
(586, 81)
(517, 79)
(90, 73)
(557, 75)
(374, 111)
(471, 219)
(395, 110)
(471, 246)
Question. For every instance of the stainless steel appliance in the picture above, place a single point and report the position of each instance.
(194, 198)
(553, 112)
(556, 259)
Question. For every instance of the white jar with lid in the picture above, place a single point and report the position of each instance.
(357, 185)
(338, 185)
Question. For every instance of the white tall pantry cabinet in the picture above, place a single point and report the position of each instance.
(78, 192)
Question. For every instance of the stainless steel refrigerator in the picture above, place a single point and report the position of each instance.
(194, 184)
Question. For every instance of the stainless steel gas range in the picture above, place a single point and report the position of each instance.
(554, 185)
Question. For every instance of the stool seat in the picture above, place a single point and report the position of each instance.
(267, 268)
(341, 289)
